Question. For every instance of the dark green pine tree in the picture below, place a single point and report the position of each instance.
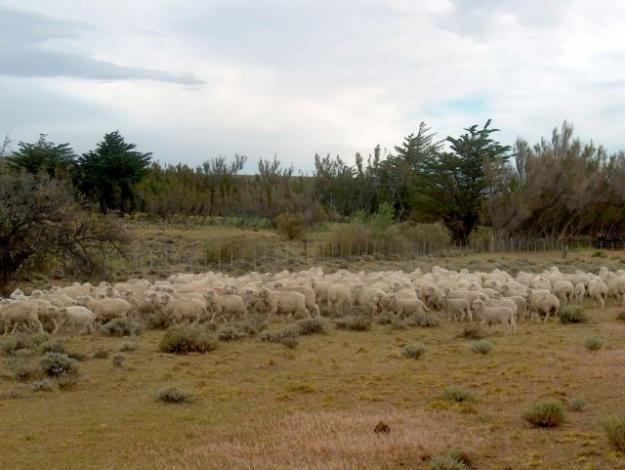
(42, 156)
(109, 173)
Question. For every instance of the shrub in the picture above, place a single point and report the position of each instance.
(413, 350)
(101, 354)
(78, 356)
(422, 320)
(621, 316)
(310, 326)
(577, 404)
(66, 382)
(572, 314)
(42, 386)
(121, 327)
(598, 254)
(385, 318)
(57, 364)
(24, 370)
(457, 394)
(615, 429)
(183, 340)
(52, 346)
(158, 320)
(8, 345)
(230, 332)
(173, 395)
(353, 323)
(290, 225)
(118, 361)
(128, 346)
(287, 336)
(447, 461)
(254, 324)
(545, 414)
(433, 237)
(482, 346)
(593, 343)
(473, 332)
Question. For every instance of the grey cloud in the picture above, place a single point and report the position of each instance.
(23, 53)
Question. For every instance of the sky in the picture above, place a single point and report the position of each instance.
(194, 79)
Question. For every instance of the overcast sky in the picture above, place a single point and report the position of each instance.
(191, 79)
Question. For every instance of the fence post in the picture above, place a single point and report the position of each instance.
(219, 258)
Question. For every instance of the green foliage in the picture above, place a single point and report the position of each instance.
(413, 350)
(572, 314)
(42, 156)
(545, 414)
(457, 394)
(451, 460)
(578, 404)
(183, 340)
(56, 346)
(310, 326)
(473, 332)
(482, 346)
(353, 323)
(56, 364)
(109, 173)
(231, 332)
(24, 370)
(8, 345)
(621, 316)
(422, 320)
(41, 386)
(291, 225)
(593, 343)
(173, 395)
(286, 336)
(121, 327)
(615, 429)
(101, 354)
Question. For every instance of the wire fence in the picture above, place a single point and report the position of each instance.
(222, 256)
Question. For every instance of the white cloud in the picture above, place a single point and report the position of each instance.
(302, 77)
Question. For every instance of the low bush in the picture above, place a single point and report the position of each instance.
(66, 382)
(598, 254)
(128, 346)
(545, 414)
(173, 395)
(121, 327)
(41, 386)
(118, 361)
(413, 350)
(353, 323)
(451, 460)
(593, 343)
(572, 314)
(615, 429)
(385, 318)
(482, 346)
(56, 346)
(473, 332)
(231, 332)
(57, 364)
(77, 356)
(101, 354)
(184, 339)
(621, 316)
(158, 320)
(286, 336)
(291, 225)
(254, 324)
(422, 320)
(577, 404)
(8, 345)
(310, 326)
(457, 394)
(24, 370)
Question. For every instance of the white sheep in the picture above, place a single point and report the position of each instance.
(456, 308)
(405, 307)
(226, 307)
(598, 290)
(580, 292)
(20, 312)
(105, 309)
(181, 309)
(78, 316)
(498, 314)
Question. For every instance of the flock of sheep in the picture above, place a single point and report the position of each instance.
(493, 297)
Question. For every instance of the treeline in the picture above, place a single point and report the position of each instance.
(561, 187)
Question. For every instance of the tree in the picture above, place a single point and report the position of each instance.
(40, 222)
(218, 175)
(108, 173)
(456, 183)
(42, 156)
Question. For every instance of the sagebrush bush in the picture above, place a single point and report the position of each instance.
(614, 427)
(413, 350)
(255, 324)
(482, 346)
(577, 404)
(447, 461)
(121, 327)
(422, 320)
(310, 326)
(77, 356)
(354, 323)
(128, 346)
(291, 225)
(8, 345)
(473, 332)
(598, 254)
(593, 343)
(57, 364)
(457, 394)
(173, 395)
(621, 316)
(231, 332)
(158, 320)
(101, 354)
(385, 318)
(24, 370)
(41, 386)
(286, 336)
(572, 314)
(118, 361)
(186, 339)
(545, 414)
(55, 345)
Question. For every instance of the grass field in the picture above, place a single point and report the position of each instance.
(262, 405)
